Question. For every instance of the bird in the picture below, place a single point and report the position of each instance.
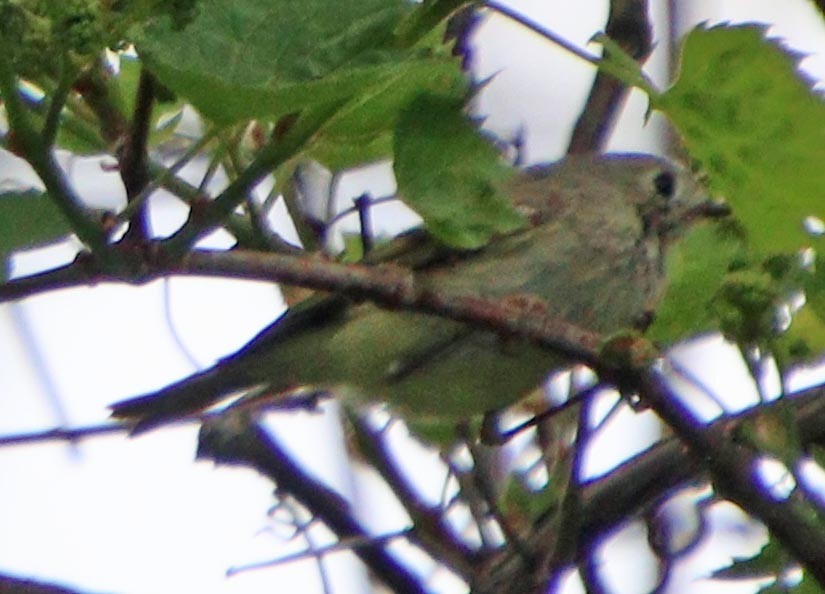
(592, 251)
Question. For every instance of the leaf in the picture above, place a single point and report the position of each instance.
(28, 219)
(804, 340)
(748, 116)
(124, 86)
(769, 561)
(621, 65)
(242, 59)
(450, 175)
(362, 130)
(696, 267)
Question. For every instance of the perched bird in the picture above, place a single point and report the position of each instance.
(592, 252)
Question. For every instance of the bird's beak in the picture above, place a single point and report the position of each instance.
(709, 209)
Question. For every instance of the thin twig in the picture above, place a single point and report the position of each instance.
(58, 101)
(277, 151)
(133, 158)
(733, 470)
(364, 205)
(63, 434)
(543, 31)
(569, 513)
(346, 544)
(430, 529)
(234, 441)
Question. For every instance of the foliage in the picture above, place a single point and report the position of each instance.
(354, 81)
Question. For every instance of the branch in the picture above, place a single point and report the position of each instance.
(628, 25)
(15, 585)
(62, 434)
(58, 101)
(231, 440)
(430, 529)
(606, 502)
(133, 158)
(387, 285)
(31, 145)
(732, 467)
(542, 31)
(277, 151)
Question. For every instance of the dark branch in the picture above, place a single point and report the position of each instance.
(15, 585)
(390, 286)
(134, 168)
(430, 530)
(231, 440)
(732, 467)
(628, 25)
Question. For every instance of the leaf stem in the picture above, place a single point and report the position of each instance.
(273, 154)
(30, 143)
(58, 101)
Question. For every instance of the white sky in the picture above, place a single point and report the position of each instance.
(139, 516)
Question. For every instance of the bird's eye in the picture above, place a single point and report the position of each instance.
(665, 184)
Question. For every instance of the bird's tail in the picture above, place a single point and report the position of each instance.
(180, 399)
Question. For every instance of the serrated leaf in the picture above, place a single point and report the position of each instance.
(361, 131)
(450, 175)
(748, 116)
(769, 561)
(28, 219)
(696, 267)
(243, 59)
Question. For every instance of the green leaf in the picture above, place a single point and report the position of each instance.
(808, 585)
(748, 116)
(769, 561)
(621, 65)
(362, 130)
(805, 338)
(696, 268)
(28, 219)
(124, 86)
(242, 59)
(450, 175)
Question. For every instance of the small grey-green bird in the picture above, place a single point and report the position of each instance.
(592, 251)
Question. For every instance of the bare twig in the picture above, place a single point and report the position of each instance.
(543, 31)
(133, 158)
(607, 501)
(347, 544)
(732, 467)
(234, 441)
(61, 434)
(569, 514)
(430, 529)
